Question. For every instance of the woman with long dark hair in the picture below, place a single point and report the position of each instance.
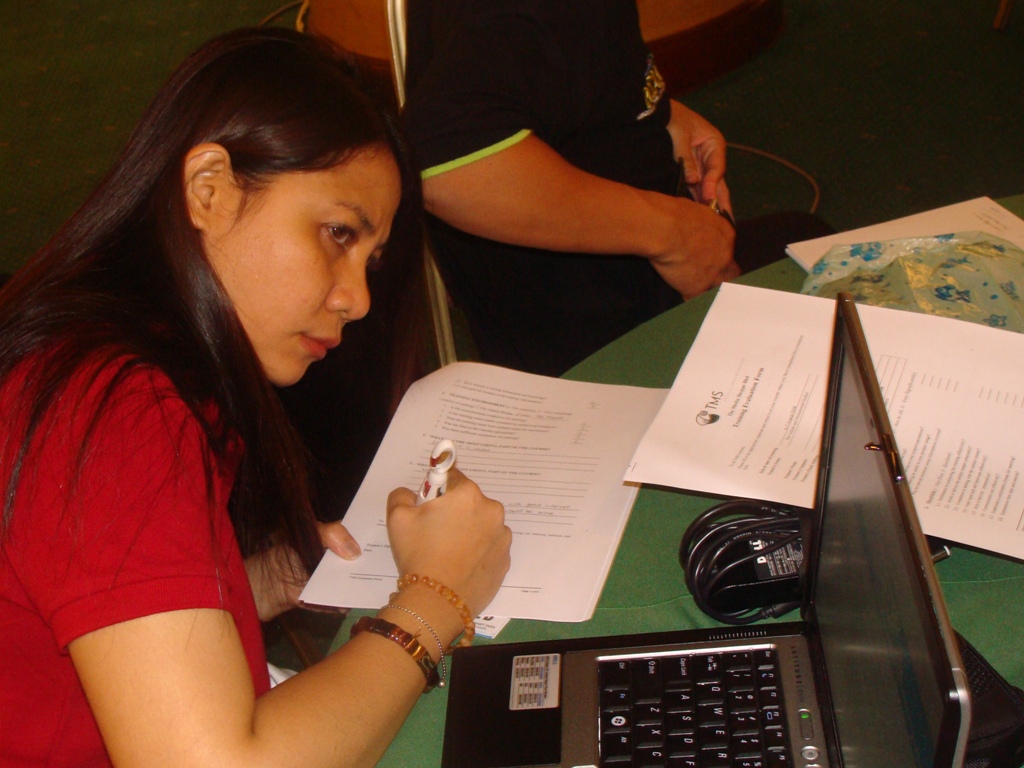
(146, 463)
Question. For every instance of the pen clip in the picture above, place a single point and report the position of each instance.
(442, 459)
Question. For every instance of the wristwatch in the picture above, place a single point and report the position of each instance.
(406, 640)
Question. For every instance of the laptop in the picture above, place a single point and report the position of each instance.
(870, 676)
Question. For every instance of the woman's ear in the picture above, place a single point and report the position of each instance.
(212, 196)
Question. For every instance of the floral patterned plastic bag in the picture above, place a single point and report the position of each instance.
(974, 276)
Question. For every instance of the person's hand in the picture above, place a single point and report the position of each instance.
(698, 252)
(700, 147)
(460, 539)
(277, 575)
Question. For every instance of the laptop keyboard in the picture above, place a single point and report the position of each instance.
(713, 710)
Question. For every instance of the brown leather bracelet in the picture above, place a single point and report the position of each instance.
(407, 641)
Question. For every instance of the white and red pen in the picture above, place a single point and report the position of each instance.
(442, 459)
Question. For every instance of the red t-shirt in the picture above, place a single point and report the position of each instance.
(137, 538)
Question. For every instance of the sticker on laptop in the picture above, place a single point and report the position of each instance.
(535, 681)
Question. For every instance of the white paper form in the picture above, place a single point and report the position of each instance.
(981, 214)
(551, 450)
(743, 417)
(954, 392)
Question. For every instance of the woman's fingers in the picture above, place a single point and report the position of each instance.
(336, 538)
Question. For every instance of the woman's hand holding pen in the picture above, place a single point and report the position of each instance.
(460, 539)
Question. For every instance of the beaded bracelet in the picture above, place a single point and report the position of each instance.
(441, 683)
(407, 641)
(456, 602)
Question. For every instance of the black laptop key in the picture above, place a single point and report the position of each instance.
(775, 739)
(771, 717)
(683, 743)
(614, 675)
(617, 747)
(616, 698)
(715, 758)
(744, 722)
(616, 721)
(747, 745)
(708, 667)
(737, 660)
(680, 701)
(769, 697)
(737, 678)
(711, 714)
(764, 658)
(713, 736)
(681, 722)
(646, 680)
(649, 735)
(650, 757)
(678, 673)
(648, 713)
(710, 692)
(743, 701)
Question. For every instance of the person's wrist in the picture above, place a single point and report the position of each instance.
(430, 644)
(408, 642)
(657, 231)
(429, 605)
(425, 586)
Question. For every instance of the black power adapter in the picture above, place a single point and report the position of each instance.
(767, 573)
(743, 561)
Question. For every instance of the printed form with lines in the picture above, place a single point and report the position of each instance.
(552, 451)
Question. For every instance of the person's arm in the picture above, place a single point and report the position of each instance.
(174, 689)
(527, 194)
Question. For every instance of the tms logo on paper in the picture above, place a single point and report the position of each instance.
(705, 417)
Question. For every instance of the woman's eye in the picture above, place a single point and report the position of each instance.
(341, 234)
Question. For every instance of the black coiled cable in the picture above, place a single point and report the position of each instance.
(715, 532)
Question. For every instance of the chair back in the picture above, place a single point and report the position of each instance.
(438, 295)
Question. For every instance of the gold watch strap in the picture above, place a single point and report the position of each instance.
(406, 640)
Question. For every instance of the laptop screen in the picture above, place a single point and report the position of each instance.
(885, 661)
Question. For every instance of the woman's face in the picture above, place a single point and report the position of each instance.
(294, 261)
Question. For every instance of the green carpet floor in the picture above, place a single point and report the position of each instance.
(74, 76)
(892, 107)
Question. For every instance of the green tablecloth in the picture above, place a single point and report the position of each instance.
(645, 589)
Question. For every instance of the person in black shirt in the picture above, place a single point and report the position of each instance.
(550, 153)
